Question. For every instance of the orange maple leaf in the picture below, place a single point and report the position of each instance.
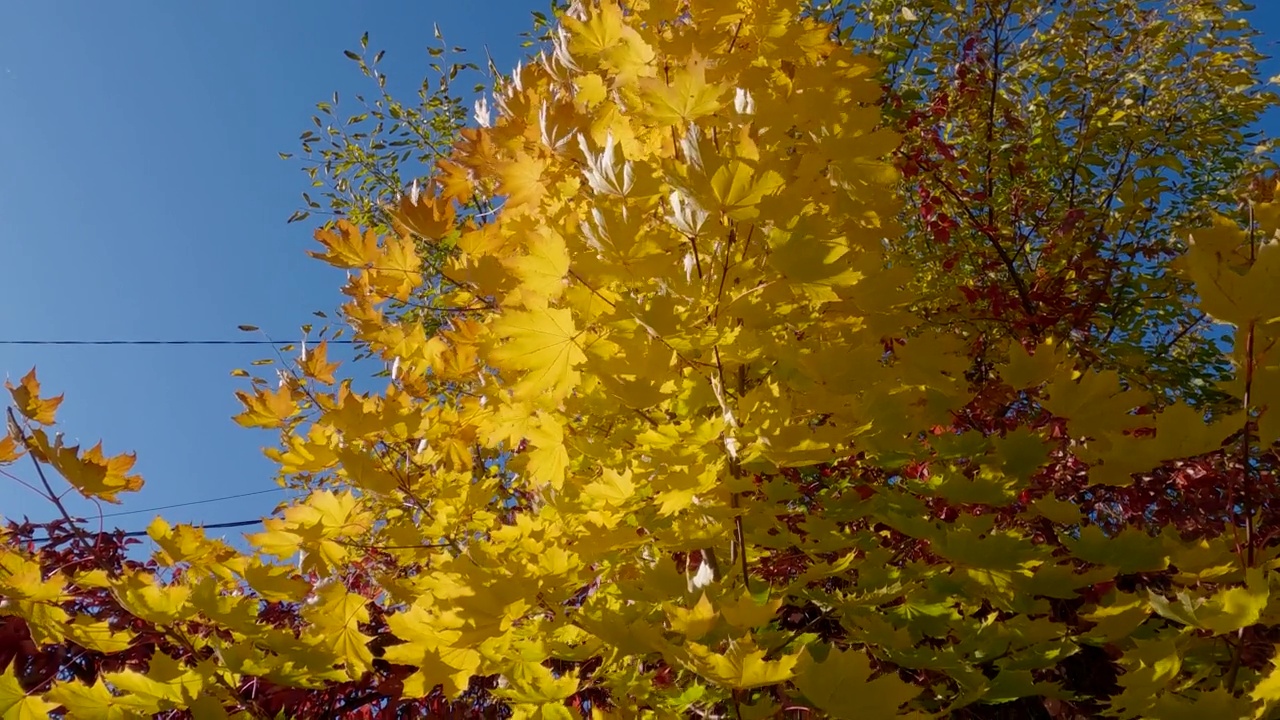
(26, 395)
(266, 409)
(346, 247)
(396, 272)
(521, 181)
(92, 473)
(455, 181)
(429, 215)
(9, 450)
(317, 366)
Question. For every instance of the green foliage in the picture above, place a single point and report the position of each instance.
(365, 158)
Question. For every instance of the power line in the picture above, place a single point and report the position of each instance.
(210, 526)
(193, 502)
(171, 342)
(142, 533)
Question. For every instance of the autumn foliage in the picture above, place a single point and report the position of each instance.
(732, 406)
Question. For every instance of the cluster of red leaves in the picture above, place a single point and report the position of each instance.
(962, 189)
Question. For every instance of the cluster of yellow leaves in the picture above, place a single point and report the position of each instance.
(90, 472)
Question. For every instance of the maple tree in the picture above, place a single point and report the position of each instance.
(702, 426)
(1051, 152)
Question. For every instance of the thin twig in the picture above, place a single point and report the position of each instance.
(16, 428)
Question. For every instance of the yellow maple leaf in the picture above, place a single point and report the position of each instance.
(533, 683)
(428, 637)
(339, 513)
(815, 265)
(1228, 292)
(508, 422)
(543, 345)
(455, 180)
(1025, 370)
(346, 246)
(266, 408)
(317, 366)
(9, 450)
(684, 98)
(23, 579)
(98, 635)
(591, 90)
(1267, 691)
(694, 622)
(313, 453)
(605, 40)
(431, 671)
(614, 489)
(179, 544)
(738, 187)
(143, 595)
(429, 215)
(520, 180)
(355, 416)
(335, 620)
(90, 702)
(92, 473)
(548, 457)
(841, 685)
(275, 582)
(18, 704)
(396, 271)
(166, 681)
(1093, 401)
(745, 613)
(743, 667)
(276, 541)
(1021, 452)
(26, 395)
(543, 268)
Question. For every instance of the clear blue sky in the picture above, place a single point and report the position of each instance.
(142, 198)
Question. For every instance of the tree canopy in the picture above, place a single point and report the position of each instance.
(745, 360)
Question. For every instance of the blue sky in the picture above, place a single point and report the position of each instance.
(142, 198)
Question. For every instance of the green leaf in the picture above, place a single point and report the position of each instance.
(841, 686)
(1128, 551)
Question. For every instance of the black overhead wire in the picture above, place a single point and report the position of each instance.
(189, 503)
(193, 502)
(142, 533)
(205, 501)
(210, 526)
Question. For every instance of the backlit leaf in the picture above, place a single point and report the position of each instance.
(26, 396)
